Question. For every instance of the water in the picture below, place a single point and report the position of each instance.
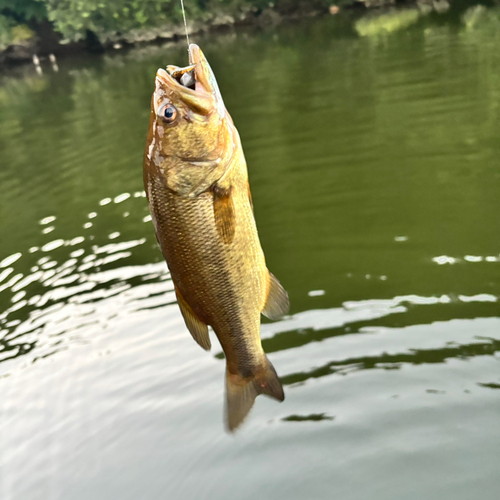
(373, 163)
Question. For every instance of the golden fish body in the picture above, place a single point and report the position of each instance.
(196, 182)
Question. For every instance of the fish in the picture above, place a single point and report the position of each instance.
(196, 183)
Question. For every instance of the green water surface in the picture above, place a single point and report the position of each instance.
(374, 166)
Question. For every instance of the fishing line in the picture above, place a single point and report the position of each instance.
(185, 23)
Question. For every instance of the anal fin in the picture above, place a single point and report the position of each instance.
(224, 213)
(196, 327)
(277, 303)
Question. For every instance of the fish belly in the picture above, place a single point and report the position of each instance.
(225, 284)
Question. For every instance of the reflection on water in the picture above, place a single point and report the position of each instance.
(375, 182)
(66, 280)
(491, 386)
(315, 417)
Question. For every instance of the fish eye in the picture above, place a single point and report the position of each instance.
(168, 113)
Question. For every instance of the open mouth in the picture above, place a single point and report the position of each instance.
(185, 76)
(174, 76)
(195, 84)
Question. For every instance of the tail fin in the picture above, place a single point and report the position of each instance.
(241, 393)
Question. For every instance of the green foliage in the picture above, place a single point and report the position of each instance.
(13, 15)
(21, 32)
(482, 19)
(5, 25)
(386, 23)
(23, 10)
(73, 17)
(10, 33)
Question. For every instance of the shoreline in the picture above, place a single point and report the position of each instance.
(47, 43)
(376, 16)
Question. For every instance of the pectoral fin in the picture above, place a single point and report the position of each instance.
(277, 303)
(224, 216)
(196, 327)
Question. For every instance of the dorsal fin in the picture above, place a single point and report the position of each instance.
(196, 327)
(277, 303)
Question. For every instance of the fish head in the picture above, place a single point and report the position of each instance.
(192, 137)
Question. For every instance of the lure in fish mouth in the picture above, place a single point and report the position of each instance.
(196, 182)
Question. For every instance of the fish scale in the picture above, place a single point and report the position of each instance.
(196, 182)
(221, 281)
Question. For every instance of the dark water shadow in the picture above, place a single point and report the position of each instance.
(313, 417)
(394, 361)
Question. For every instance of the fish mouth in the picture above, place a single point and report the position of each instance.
(172, 83)
(195, 84)
(188, 80)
